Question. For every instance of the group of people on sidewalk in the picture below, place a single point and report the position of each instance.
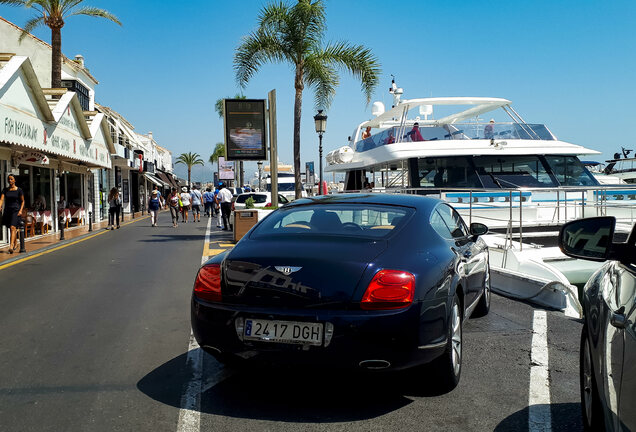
(184, 202)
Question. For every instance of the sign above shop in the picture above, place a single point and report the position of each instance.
(32, 158)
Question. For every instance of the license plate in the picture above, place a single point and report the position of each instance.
(290, 332)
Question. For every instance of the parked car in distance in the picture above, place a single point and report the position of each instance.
(370, 281)
(608, 338)
(261, 199)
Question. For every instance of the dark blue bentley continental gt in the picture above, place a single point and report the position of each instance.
(373, 281)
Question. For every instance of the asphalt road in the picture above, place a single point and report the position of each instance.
(94, 337)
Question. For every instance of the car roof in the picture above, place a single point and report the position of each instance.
(407, 200)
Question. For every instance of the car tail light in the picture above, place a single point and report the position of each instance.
(268, 205)
(207, 285)
(389, 289)
(233, 207)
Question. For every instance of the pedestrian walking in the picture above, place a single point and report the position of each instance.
(208, 201)
(13, 199)
(196, 197)
(185, 204)
(225, 198)
(114, 206)
(154, 203)
(174, 201)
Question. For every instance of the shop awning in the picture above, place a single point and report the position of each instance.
(152, 179)
(163, 183)
(166, 178)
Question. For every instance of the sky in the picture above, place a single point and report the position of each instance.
(567, 64)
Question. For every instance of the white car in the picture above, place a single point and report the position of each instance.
(261, 199)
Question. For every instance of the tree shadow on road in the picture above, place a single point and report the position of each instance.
(304, 395)
(566, 417)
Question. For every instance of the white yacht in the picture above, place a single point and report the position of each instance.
(516, 177)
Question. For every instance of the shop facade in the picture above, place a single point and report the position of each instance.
(51, 149)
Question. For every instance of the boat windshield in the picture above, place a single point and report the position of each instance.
(512, 172)
(457, 131)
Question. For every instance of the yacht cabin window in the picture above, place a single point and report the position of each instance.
(500, 171)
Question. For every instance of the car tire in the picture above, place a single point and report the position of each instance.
(590, 402)
(483, 307)
(448, 367)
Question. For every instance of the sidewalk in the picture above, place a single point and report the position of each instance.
(41, 243)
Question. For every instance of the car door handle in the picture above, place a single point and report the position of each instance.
(617, 319)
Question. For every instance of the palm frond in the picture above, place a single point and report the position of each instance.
(310, 21)
(95, 12)
(67, 5)
(30, 25)
(190, 159)
(323, 80)
(273, 15)
(13, 2)
(356, 59)
(256, 49)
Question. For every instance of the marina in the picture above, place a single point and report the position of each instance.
(515, 177)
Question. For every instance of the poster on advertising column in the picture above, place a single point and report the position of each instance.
(244, 121)
(226, 169)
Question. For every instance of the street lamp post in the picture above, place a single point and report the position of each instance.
(320, 121)
(260, 175)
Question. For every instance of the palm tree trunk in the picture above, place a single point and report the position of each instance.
(56, 57)
(297, 113)
(189, 171)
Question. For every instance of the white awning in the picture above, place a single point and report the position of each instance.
(152, 179)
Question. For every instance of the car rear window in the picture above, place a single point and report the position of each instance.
(362, 220)
(242, 198)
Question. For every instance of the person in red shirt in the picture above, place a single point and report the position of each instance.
(415, 133)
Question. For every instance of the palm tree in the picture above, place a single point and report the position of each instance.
(190, 159)
(293, 35)
(219, 105)
(52, 13)
(219, 151)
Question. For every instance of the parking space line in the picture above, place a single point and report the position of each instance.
(190, 412)
(539, 416)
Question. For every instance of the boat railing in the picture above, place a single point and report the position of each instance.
(456, 131)
(516, 210)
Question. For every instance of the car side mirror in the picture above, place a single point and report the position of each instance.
(588, 239)
(478, 229)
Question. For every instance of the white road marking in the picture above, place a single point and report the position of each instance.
(190, 412)
(539, 416)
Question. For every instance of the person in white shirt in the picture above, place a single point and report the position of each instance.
(225, 197)
(196, 204)
(185, 204)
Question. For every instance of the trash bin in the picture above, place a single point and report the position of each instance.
(244, 220)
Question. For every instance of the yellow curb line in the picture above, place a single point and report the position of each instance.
(39, 254)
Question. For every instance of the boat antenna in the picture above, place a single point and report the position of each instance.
(626, 152)
(395, 91)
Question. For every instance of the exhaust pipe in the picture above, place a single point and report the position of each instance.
(375, 364)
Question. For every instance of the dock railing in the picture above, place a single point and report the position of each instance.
(516, 210)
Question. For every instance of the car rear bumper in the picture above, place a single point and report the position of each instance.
(368, 339)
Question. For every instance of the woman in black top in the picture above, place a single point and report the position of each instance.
(13, 199)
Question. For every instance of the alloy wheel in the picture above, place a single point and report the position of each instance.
(587, 382)
(456, 340)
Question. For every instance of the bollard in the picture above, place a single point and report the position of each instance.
(22, 234)
(132, 212)
(61, 229)
(90, 221)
